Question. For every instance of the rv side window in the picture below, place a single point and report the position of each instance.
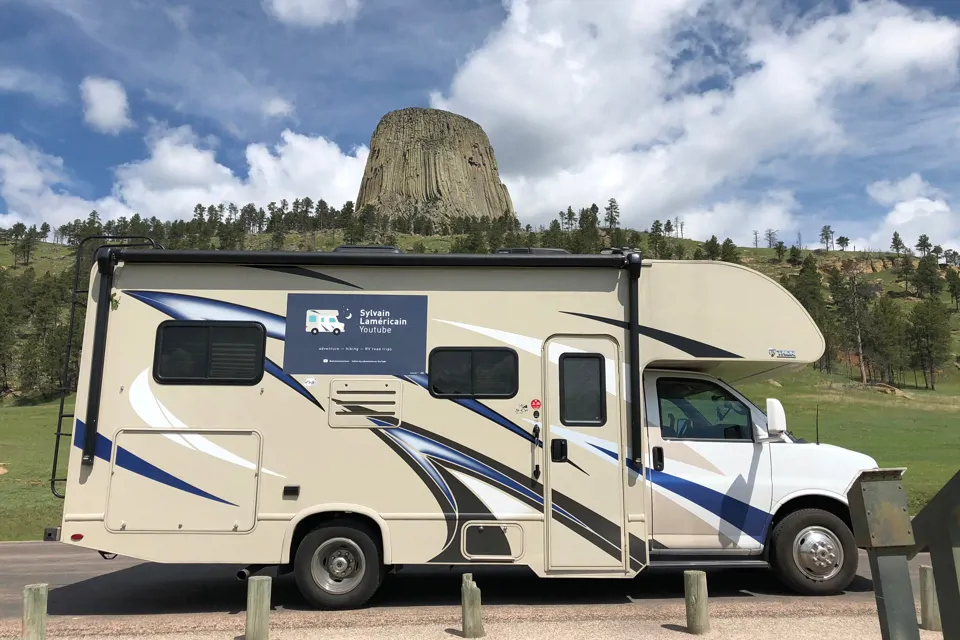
(209, 353)
(695, 409)
(463, 372)
(583, 390)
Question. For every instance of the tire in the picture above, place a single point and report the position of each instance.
(352, 546)
(814, 531)
(314, 331)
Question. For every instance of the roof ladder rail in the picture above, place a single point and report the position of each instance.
(75, 301)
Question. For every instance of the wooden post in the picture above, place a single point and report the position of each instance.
(470, 606)
(258, 608)
(695, 595)
(929, 610)
(35, 611)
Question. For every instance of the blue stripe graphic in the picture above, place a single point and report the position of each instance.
(131, 462)
(749, 519)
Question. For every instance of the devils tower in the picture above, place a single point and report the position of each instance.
(435, 162)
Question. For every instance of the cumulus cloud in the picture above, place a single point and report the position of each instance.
(662, 105)
(915, 207)
(105, 106)
(180, 170)
(312, 13)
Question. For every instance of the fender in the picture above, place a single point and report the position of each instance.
(804, 493)
(339, 507)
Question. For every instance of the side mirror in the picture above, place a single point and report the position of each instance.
(776, 417)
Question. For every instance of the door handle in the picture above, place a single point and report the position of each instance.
(658, 458)
(558, 450)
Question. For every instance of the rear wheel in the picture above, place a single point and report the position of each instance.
(814, 552)
(338, 566)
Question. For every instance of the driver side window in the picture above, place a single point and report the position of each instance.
(692, 409)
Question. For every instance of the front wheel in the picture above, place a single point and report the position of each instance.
(814, 552)
(338, 566)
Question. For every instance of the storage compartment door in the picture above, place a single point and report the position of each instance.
(159, 484)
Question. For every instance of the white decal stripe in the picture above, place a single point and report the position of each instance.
(535, 347)
(501, 505)
(157, 416)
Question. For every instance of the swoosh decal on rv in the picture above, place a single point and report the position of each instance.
(307, 273)
(136, 464)
(181, 306)
(157, 416)
(690, 346)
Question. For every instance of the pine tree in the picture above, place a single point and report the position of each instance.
(930, 338)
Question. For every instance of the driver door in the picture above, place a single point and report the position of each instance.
(711, 482)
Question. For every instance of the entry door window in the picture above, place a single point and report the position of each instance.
(582, 390)
(693, 409)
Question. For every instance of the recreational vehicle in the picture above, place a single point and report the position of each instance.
(573, 414)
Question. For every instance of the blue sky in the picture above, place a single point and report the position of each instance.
(731, 115)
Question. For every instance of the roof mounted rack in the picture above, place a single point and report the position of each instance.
(366, 248)
(537, 250)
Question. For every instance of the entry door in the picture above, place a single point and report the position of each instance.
(583, 454)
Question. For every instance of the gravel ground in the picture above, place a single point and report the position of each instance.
(844, 621)
(617, 628)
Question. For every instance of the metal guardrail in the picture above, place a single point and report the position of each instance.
(883, 528)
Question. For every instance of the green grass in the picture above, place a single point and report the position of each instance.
(918, 432)
(26, 453)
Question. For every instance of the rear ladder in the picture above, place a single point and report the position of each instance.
(76, 300)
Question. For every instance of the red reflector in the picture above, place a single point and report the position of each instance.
(77, 537)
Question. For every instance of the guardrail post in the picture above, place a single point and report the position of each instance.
(695, 598)
(470, 606)
(35, 611)
(929, 609)
(937, 529)
(258, 608)
(881, 526)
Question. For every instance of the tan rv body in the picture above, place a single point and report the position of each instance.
(240, 473)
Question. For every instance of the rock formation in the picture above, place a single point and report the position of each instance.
(435, 162)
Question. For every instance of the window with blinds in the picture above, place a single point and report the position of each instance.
(209, 352)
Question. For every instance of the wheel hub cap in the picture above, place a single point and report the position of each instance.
(338, 565)
(818, 553)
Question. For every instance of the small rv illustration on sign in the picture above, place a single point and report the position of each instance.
(324, 321)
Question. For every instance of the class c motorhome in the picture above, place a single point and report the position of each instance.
(574, 414)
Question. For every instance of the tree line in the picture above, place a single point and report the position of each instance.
(874, 329)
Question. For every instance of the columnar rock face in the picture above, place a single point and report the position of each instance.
(435, 162)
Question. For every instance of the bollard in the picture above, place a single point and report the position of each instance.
(258, 608)
(929, 607)
(35, 611)
(470, 606)
(882, 527)
(695, 597)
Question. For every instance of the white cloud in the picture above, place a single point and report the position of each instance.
(913, 186)
(44, 88)
(179, 171)
(105, 105)
(312, 13)
(277, 107)
(916, 208)
(591, 104)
